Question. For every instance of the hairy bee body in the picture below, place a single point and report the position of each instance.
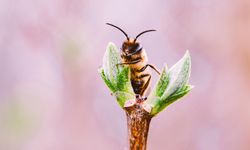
(135, 57)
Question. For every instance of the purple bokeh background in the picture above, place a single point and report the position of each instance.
(52, 98)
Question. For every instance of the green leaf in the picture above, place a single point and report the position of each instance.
(180, 93)
(155, 103)
(162, 84)
(160, 87)
(107, 82)
(110, 60)
(122, 97)
(116, 77)
(123, 80)
(178, 75)
(172, 98)
(171, 85)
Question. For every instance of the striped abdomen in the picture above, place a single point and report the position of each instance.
(135, 56)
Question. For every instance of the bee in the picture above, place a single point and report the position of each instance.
(133, 55)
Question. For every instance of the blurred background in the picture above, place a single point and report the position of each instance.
(52, 97)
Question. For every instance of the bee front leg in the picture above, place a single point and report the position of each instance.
(151, 66)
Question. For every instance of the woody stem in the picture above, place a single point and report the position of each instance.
(138, 121)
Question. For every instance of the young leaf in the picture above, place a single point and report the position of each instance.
(159, 88)
(122, 97)
(123, 80)
(178, 75)
(163, 103)
(171, 86)
(108, 83)
(162, 84)
(116, 77)
(180, 93)
(110, 60)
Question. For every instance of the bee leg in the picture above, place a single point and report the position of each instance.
(142, 76)
(137, 96)
(146, 85)
(151, 66)
(132, 62)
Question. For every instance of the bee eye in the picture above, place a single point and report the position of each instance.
(136, 46)
(124, 46)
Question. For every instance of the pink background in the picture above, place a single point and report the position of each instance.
(52, 98)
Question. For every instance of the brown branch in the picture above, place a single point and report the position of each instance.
(138, 121)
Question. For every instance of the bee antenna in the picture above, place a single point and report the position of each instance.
(143, 33)
(119, 29)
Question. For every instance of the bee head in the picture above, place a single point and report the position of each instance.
(130, 45)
